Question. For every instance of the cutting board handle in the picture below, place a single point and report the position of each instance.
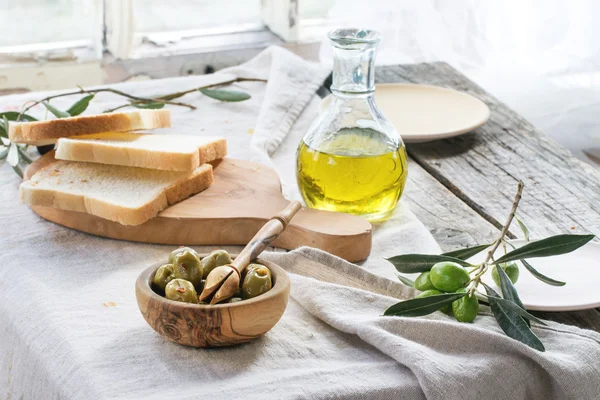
(265, 236)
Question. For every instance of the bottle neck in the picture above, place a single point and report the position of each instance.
(353, 70)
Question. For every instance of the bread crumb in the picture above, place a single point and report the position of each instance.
(572, 227)
(55, 172)
(84, 181)
(109, 304)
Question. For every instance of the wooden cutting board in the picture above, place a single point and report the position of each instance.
(242, 198)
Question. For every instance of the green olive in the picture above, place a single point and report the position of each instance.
(180, 250)
(163, 275)
(187, 265)
(249, 268)
(511, 269)
(214, 260)
(448, 276)
(256, 282)
(181, 290)
(423, 282)
(466, 308)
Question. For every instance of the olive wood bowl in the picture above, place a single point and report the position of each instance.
(200, 325)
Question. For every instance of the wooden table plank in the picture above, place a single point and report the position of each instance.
(482, 168)
(452, 223)
(457, 184)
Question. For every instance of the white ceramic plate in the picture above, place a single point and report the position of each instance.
(579, 269)
(422, 113)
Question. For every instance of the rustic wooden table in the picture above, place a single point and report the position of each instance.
(462, 188)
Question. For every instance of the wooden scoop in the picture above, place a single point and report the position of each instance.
(222, 282)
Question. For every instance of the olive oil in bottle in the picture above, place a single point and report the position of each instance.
(356, 171)
(352, 159)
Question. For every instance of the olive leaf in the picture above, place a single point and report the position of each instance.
(225, 95)
(80, 105)
(508, 290)
(23, 155)
(405, 280)
(412, 263)
(149, 106)
(420, 306)
(536, 273)
(551, 246)
(467, 252)
(17, 169)
(14, 116)
(13, 155)
(10, 115)
(57, 113)
(541, 276)
(511, 322)
(523, 228)
(514, 307)
(4, 127)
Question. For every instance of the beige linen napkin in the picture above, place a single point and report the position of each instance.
(449, 359)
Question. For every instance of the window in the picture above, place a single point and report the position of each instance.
(183, 26)
(45, 30)
(130, 35)
(27, 22)
(154, 16)
(298, 20)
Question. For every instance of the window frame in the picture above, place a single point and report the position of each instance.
(117, 47)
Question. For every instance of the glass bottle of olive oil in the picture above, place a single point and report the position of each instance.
(352, 159)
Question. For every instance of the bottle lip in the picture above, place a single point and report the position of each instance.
(349, 36)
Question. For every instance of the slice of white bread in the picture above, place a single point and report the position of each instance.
(128, 195)
(166, 152)
(46, 132)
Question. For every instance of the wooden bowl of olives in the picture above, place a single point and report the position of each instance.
(183, 319)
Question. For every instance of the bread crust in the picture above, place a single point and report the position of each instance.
(80, 149)
(46, 132)
(202, 179)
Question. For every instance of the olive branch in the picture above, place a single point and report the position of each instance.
(483, 267)
(453, 268)
(18, 155)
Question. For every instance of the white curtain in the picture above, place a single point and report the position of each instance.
(541, 57)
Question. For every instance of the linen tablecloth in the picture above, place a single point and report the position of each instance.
(70, 326)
